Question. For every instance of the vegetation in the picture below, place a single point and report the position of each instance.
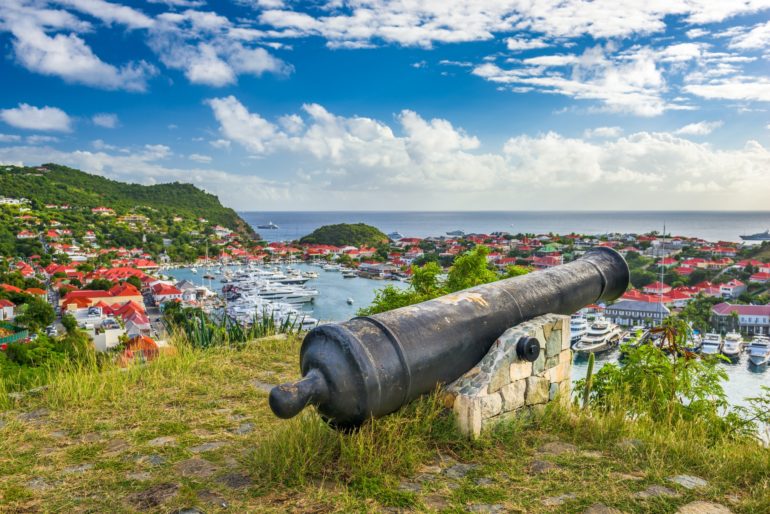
(470, 269)
(122, 440)
(344, 234)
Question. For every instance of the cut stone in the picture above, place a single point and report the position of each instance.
(459, 470)
(409, 487)
(557, 448)
(491, 405)
(655, 491)
(689, 481)
(115, 447)
(486, 508)
(207, 447)
(245, 428)
(212, 498)
(701, 507)
(436, 501)
(162, 441)
(514, 395)
(555, 501)
(553, 344)
(542, 466)
(154, 496)
(235, 480)
(520, 370)
(537, 390)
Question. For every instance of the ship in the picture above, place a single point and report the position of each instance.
(268, 226)
(457, 233)
(760, 236)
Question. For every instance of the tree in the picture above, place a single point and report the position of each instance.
(99, 284)
(470, 269)
(134, 281)
(515, 271)
(69, 322)
(36, 314)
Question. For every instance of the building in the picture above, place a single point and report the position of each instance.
(7, 310)
(732, 289)
(631, 312)
(751, 319)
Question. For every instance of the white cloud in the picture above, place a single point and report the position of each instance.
(605, 132)
(756, 38)
(733, 88)
(696, 33)
(702, 128)
(41, 140)
(205, 159)
(9, 138)
(106, 120)
(220, 143)
(111, 13)
(518, 44)
(551, 60)
(29, 117)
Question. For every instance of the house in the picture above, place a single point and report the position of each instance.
(751, 319)
(377, 270)
(165, 293)
(760, 278)
(657, 288)
(631, 312)
(26, 234)
(120, 294)
(732, 289)
(103, 211)
(7, 310)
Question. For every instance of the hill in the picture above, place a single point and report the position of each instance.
(343, 234)
(55, 184)
(192, 432)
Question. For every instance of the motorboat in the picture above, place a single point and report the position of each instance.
(456, 233)
(331, 267)
(760, 236)
(193, 270)
(349, 301)
(349, 273)
(602, 336)
(268, 226)
(759, 351)
(711, 344)
(694, 342)
(733, 346)
(395, 236)
(310, 274)
(578, 326)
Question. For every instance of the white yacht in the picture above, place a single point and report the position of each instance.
(711, 344)
(759, 351)
(601, 336)
(194, 270)
(733, 346)
(310, 274)
(578, 326)
(331, 267)
(349, 273)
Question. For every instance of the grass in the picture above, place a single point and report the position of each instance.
(124, 440)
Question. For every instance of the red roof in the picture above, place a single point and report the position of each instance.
(165, 290)
(6, 303)
(10, 288)
(745, 310)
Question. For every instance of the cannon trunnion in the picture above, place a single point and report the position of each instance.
(371, 366)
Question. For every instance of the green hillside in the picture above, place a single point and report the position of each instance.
(342, 234)
(60, 185)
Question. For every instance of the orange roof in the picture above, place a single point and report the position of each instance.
(10, 288)
(36, 290)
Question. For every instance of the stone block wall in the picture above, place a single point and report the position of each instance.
(501, 385)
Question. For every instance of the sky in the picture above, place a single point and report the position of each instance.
(399, 105)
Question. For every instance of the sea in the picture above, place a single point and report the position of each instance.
(708, 225)
(334, 290)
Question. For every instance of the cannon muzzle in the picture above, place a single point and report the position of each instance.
(372, 365)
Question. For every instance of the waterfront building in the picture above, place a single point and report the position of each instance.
(629, 313)
(751, 319)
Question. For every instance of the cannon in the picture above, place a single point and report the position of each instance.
(370, 366)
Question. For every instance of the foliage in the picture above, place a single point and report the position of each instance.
(470, 269)
(344, 234)
(36, 314)
(204, 331)
(668, 386)
(698, 312)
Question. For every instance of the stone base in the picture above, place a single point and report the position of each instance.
(501, 385)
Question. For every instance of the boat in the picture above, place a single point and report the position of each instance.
(395, 236)
(759, 236)
(209, 276)
(694, 342)
(194, 270)
(331, 267)
(349, 273)
(310, 274)
(711, 344)
(268, 226)
(350, 301)
(733, 346)
(578, 326)
(458, 233)
(759, 351)
(600, 337)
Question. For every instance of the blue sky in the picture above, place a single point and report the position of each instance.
(369, 104)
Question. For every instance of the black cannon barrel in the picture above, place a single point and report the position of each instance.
(371, 366)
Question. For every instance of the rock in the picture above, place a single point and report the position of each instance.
(520, 370)
(91, 437)
(542, 466)
(244, 428)
(56, 434)
(557, 448)
(436, 501)
(636, 475)
(207, 447)
(555, 501)
(628, 444)
(79, 468)
(689, 481)
(262, 386)
(600, 508)
(195, 468)
(139, 476)
(35, 415)
(655, 491)
(235, 480)
(432, 469)
(162, 441)
(537, 390)
(213, 498)
(424, 477)
(409, 487)
(491, 405)
(459, 470)
(153, 497)
(116, 446)
(513, 395)
(153, 460)
(37, 484)
(486, 508)
(483, 481)
(700, 507)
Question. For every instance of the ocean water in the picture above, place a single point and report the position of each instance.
(709, 225)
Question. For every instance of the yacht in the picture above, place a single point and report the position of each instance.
(310, 274)
(349, 273)
(395, 236)
(761, 236)
(759, 351)
(694, 342)
(601, 336)
(350, 301)
(711, 344)
(578, 326)
(331, 267)
(194, 270)
(733, 346)
(268, 226)
(456, 233)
